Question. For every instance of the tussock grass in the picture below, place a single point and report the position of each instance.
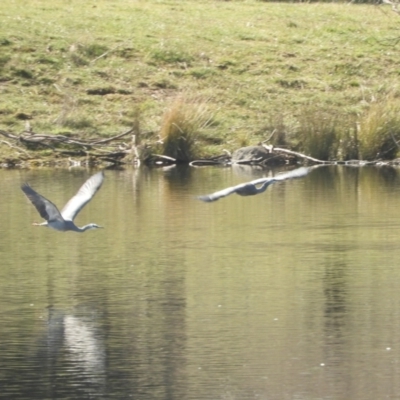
(322, 134)
(379, 130)
(181, 127)
(327, 135)
(307, 71)
(317, 133)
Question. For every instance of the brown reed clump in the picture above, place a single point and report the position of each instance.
(317, 134)
(181, 126)
(379, 130)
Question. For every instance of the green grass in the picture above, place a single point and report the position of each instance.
(315, 73)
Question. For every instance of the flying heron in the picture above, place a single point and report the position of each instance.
(63, 221)
(251, 188)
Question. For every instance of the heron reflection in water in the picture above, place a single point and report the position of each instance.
(256, 186)
(63, 221)
(73, 346)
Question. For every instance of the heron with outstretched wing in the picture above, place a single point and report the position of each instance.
(64, 220)
(254, 187)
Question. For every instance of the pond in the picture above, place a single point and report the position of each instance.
(290, 294)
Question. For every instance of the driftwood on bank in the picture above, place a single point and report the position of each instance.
(268, 155)
(259, 155)
(110, 150)
(296, 154)
(118, 150)
(333, 162)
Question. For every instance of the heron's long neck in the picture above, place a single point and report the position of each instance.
(83, 228)
(264, 186)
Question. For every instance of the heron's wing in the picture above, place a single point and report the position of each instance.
(296, 173)
(221, 193)
(84, 195)
(261, 180)
(46, 208)
(245, 188)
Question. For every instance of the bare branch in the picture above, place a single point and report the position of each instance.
(15, 147)
(270, 137)
(295, 153)
(114, 137)
(394, 139)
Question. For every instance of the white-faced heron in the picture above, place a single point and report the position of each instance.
(63, 221)
(252, 188)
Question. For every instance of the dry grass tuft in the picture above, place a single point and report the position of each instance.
(181, 126)
(317, 133)
(379, 130)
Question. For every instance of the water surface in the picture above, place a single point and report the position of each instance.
(292, 294)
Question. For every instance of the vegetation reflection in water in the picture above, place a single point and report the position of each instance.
(290, 294)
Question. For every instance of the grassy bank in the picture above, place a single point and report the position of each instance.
(323, 77)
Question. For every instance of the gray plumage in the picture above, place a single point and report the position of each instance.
(254, 187)
(63, 221)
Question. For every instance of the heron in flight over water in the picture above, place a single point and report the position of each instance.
(256, 186)
(63, 221)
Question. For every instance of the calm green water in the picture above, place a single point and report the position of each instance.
(292, 294)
